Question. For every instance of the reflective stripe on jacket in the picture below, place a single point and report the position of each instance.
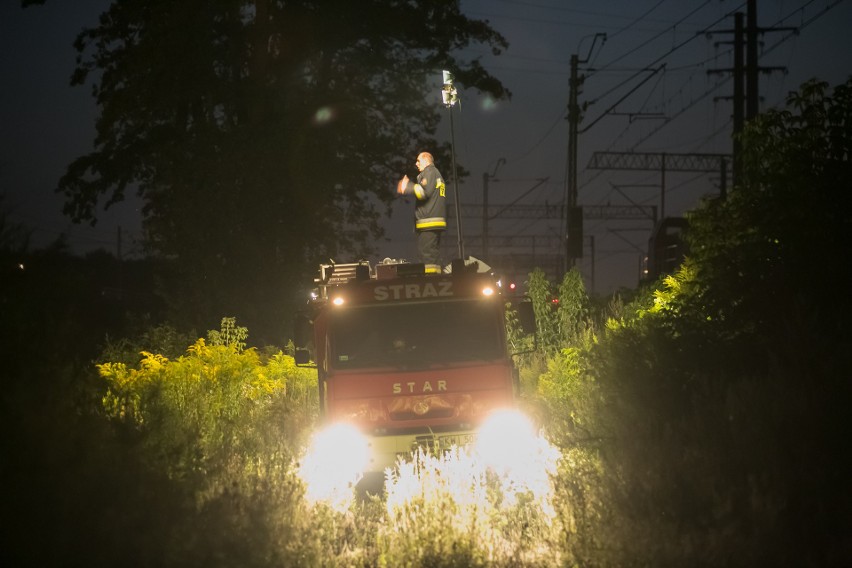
(430, 223)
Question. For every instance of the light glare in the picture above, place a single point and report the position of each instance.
(482, 499)
(501, 435)
(333, 464)
(524, 460)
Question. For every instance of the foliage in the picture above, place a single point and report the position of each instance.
(223, 426)
(704, 424)
(785, 227)
(14, 237)
(722, 386)
(574, 417)
(707, 418)
(562, 314)
(542, 295)
(584, 508)
(263, 135)
(518, 340)
(215, 423)
(565, 334)
(574, 307)
(162, 339)
(230, 334)
(560, 389)
(73, 490)
(215, 404)
(454, 512)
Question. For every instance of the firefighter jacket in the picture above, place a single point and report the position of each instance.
(430, 191)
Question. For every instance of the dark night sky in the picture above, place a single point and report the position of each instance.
(46, 123)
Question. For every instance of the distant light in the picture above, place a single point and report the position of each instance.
(21, 266)
(338, 301)
(512, 286)
(487, 291)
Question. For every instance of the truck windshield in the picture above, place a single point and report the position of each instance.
(416, 334)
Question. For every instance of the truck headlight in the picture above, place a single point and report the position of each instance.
(524, 461)
(503, 439)
(334, 462)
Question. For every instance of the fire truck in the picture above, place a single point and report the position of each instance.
(407, 359)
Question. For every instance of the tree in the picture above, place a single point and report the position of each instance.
(786, 227)
(14, 237)
(263, 135)
(727, 388)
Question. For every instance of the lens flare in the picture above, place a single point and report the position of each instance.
(334, 462)
(323, 115)
(488, 103)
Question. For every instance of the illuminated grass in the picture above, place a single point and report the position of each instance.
(457, 505)
(450, 509)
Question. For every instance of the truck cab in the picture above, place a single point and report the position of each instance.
(405, 358)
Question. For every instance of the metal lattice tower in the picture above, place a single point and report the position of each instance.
(662, 162)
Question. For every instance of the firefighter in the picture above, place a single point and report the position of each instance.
(430, 213)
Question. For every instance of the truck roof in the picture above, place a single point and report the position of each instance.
(392, 281)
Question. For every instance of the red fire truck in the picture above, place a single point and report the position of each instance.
(406, 359)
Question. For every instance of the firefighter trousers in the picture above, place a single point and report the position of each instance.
(428, 245)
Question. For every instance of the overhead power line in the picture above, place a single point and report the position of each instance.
(658, 59)
(656, 160)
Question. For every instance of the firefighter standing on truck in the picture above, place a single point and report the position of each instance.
(430, 214)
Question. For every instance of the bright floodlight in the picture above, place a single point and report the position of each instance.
(449, 94)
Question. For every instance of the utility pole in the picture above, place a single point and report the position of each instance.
(573, 122)
(752, 96)
(571, 181)
(746, 96)
(573, 231)
(738, 94)
(450, 96)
